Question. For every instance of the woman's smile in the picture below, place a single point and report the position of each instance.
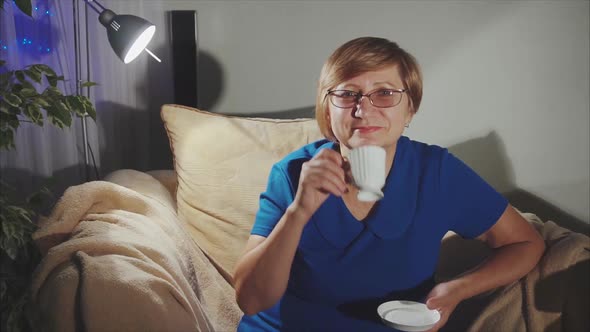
(366, 129)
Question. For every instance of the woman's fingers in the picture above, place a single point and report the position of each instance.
(321, 176)
(443, 298)
(324, 172)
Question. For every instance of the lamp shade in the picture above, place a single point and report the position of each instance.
(128, 34)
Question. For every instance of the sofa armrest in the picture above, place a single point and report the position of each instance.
(553, 296)
(115, 258)
(112, 292)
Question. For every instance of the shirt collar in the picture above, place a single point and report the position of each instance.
(390, 217)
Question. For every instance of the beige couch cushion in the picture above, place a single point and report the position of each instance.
(222, 164)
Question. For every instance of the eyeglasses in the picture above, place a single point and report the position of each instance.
(380, 98)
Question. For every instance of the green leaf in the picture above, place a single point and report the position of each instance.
(44, 69)
(13, 120)
(8, 229)
(28, 85)
(53, 91)
(24, 214)
(5, 79)
(52, 80)
(4, 108)
(20, 75)
(12, 251)
(28, 92)
(16, 87)
(89, 108)
(36, 199)
(62, 102)
(6, 139)
(6, 119)
(21, 99)
(60, 116)
(12, 99)
(33, 111)
(41, 102)
(25, 6)
(76, 104)
(34, 75)
(88, 84)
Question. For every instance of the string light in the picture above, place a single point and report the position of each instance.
(33, 46)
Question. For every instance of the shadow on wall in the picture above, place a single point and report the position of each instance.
(211, 88)
(124, 138)
(136, 138)
(487, 156)
(158, 89)
(294, 113)
(210, 81)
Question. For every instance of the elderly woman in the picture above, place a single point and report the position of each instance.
(318, 259)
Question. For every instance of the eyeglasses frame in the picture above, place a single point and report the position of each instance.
(359, 97)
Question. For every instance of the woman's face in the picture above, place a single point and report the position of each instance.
(366, 124)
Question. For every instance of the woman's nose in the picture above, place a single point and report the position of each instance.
(360, 108)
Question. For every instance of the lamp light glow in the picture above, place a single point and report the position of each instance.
(140, 44)
(152, 54)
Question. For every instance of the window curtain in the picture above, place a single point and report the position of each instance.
(128, 132)
(43, 155)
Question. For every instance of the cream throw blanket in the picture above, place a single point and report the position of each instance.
(554, 296)
(116, 258)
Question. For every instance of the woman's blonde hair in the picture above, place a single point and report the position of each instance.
(361, 55)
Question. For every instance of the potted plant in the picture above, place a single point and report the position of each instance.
(27, 95)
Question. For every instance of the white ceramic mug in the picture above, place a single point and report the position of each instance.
(367, 164)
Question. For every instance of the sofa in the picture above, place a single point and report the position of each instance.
(155, 251)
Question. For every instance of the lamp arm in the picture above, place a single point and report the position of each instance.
(98, 3)
(88, 2)
(105, 16)
(91, 3)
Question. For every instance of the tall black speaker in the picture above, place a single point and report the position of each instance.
(184, 37)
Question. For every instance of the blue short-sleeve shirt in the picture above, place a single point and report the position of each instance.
(344, 268)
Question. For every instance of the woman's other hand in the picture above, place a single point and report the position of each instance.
(320, 176)
(444, 298)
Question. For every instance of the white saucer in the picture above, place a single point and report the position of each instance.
(408, 315)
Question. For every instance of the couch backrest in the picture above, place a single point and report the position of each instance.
(222, 163)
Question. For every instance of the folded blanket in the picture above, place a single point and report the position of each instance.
(116, 258)
(554, 296)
